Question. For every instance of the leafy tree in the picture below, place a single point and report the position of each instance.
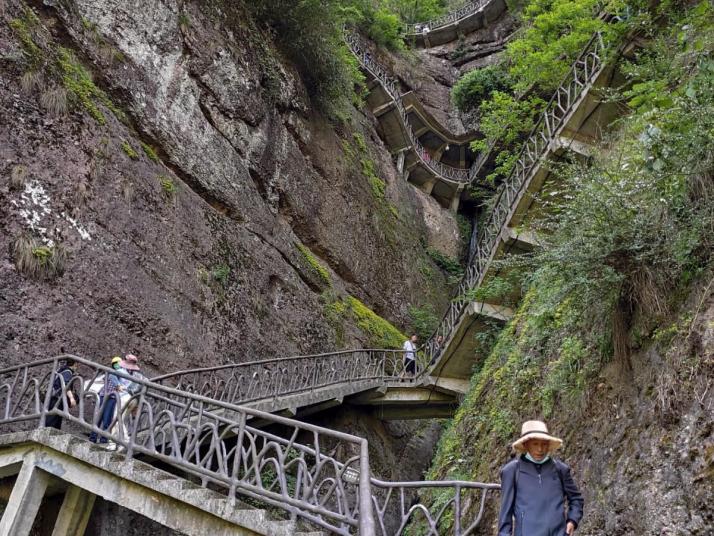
(477, 85)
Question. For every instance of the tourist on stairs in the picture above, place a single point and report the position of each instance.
(535, 486)
(64, 376)
(108, 396)
(409, 348)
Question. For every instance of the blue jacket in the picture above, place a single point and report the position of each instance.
(533, 499)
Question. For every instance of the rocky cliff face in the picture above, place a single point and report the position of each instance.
(179, 184)
(160, 164)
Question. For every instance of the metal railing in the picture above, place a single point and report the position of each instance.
(203, 437)
(583, 72)
(443, 172)
(462, 497)
(468, 9)
(214, 441)
(242, 383)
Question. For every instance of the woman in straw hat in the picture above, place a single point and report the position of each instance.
(535, 487)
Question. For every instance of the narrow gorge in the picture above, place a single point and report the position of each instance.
(260, 202)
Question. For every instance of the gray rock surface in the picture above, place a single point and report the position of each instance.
(256, 172)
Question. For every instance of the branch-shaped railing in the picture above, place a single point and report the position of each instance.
(566, 99)
(450, 515)
(242, 383)
(206, 438)
(214, 441)
(443, 172)
(468, 9)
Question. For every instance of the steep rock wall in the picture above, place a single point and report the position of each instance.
(191, 259)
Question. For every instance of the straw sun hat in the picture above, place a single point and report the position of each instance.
(535, 430)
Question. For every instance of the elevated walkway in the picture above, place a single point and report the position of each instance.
(405, 126)
(572, 122)
(213, 459)
(45, 459)
(470, 17)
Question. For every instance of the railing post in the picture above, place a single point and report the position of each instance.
(48, 394)
(135, 424)
(457, 511)
(366, 515)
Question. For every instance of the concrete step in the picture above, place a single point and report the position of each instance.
(269, 521)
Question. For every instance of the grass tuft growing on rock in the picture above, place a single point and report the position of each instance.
(54, 101)
(168, 187)
(32, 81)
(78, 82)
(38, 261)
(129, 150)
(18, 177)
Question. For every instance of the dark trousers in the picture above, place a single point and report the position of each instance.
(54, 421)
(410, 365)
(106, 417)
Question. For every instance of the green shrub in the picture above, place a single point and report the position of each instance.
(423, 321)
(477, 85)
(310, 33)
(384, 29)
(446, 263)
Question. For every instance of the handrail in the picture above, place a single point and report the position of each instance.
(442, 171)
(583, 72)
(243, 383)
(464, 11)
(193, 433)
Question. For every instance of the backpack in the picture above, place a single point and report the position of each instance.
(57, 384)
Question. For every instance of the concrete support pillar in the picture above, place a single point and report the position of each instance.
(454, 207)
(440, 151)
(400, 161)
(25, 500)
(428, 186)
(462, 156)
(74, 514)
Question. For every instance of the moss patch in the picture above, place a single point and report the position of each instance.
(150, 152)
(381, 333)
(315, 266)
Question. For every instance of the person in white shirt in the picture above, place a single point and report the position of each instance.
(409, 348)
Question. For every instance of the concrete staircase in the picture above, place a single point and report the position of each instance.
(169, 499)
